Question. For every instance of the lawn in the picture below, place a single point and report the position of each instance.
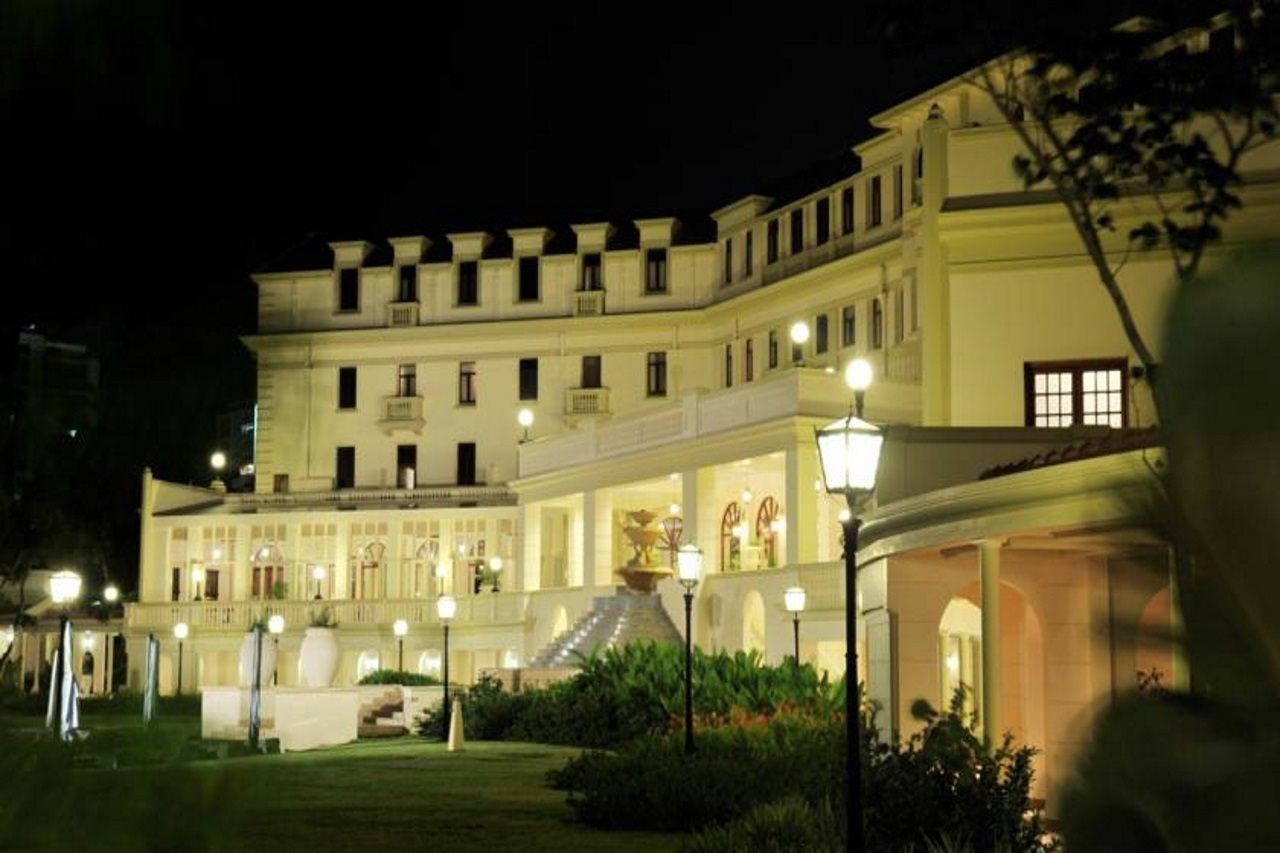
(371, 796)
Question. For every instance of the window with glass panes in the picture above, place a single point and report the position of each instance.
(1071, 393)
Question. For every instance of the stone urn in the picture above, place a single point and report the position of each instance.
(319, 657)
(246, 659)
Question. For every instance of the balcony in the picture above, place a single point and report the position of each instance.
(588, 303)
(904, 361)
(401, 414)
(402, 314)
(424, 497)
(580, 402)
(488, 609)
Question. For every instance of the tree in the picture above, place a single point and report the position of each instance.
(1133, 114)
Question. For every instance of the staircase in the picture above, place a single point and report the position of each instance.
(612, 622)
(386, 718)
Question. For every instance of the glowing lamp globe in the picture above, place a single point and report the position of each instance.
(858, 374)
(111, 594)
(446, 607)
(495, 563)
(794, 599)
(525, 418)
(218, 460)
(197, 575)
(799, 332)
(181, 630)
(64, 586)
(688, 564)
(317, 573)
(849, 449)
(275, 624)
(400, 628)
(442, 569)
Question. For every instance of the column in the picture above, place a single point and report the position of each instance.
(529, 535)
(879, 627)
(932, 281)
(689, 506)
(342, 559)
(241, 589)
(801, 507)
(603, 541)
(1181, 675)
(588, 573)
(989, 588)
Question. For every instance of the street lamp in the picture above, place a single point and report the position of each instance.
(849, 450)
(688, 570)
(180, 631)
(111, 593)
(400, 628)
(794, 599)
(218, 461)
(317, 574)
(275, 626)
(446, 609)
(799, 337)
(525, 418)
(495, 566)
(858, 377)
(197, 578)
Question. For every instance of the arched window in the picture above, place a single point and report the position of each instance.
(268, 572)
(765, 534)
(366, 570)
(730, 545)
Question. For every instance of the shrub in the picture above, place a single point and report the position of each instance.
(789, 825)
(394, 676)
(940, 787)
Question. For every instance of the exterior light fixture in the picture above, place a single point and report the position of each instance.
(858, 377)
(218, 461)
(64, 587)
(746, 495)
(446, 609)
(688, 571)
(197, 578)
(275, 627)
(673, 509)
(799, 333)
(849, 450)
(180, 632)
(111, 593)
(317, 574)
(400, 628)
(525, 418)
(793, 598)
(275, 624)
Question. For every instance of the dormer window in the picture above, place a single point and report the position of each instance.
(873, 203)
(797, 231)
(822, 223)
(529, 288)
(655, 271)
(846, 210)
(469, 283)
(591, 271)
(771, 242)
(728, 261)
(349, 289)
(747, 252)
(408, 284)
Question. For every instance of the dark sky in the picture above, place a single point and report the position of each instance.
(157, 153)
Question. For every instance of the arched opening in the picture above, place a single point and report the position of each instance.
(768, 523)
(730, 544)
(1155, 643)
(753, 630)
(368, 662)
(960, 648)
(268, 573)
(430, 663)
(366, 570)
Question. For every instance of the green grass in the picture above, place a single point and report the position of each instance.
(372, 796)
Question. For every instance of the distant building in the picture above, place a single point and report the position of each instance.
(55, 399)
(999, 554)
(237, 437)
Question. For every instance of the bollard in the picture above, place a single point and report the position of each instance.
(455, 726)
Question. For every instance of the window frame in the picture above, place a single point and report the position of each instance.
(656, 374)
(875, 203)
(466, 383)
(343, 372)
(796, 217)
(821, 333)
(469, 273)
(348, 451)
(822, 221)
(773, 349)
(655, 271)
(846, 211)
(348, 276)
(1077, 368)
(848, 325)
(748, 264)
(525, 378)
(407, 274)
(772, 240)
(524, 265)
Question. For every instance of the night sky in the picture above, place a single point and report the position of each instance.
(156, 154)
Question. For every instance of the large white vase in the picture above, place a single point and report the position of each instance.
(319, 655)
(246, 659)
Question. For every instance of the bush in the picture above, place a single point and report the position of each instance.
(941, 786)
(394, 676)
(790, 825)
(625, 693)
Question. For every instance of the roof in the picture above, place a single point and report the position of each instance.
(1116, 441)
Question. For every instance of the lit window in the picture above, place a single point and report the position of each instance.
(1063, 394)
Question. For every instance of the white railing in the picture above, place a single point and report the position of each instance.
(402, 409)
(588, 303)
(425, 496)
(586, 401)
(904, 361)
(502, 608)
(402, 314)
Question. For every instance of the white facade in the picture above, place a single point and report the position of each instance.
(957, 285)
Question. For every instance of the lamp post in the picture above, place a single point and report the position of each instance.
(400, 628)
(111, 593)
(525, 418)
(197, 579)
(64, 588)
(495, 567)
(317, 574)
(446, 608)
(275, 626)
(794, 599)
(180, 631)
(799, 337)
(688, 569)
(849, 450)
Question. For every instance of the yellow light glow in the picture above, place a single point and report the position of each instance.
(799, 332)
(858, 374)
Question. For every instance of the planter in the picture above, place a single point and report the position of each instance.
(319, 657)
(246, 659)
